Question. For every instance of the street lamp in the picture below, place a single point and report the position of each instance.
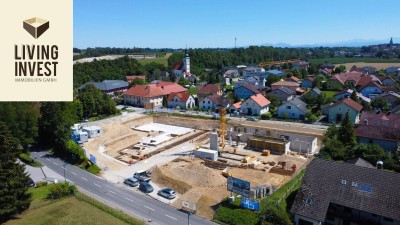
(189, 214)
(65, 165)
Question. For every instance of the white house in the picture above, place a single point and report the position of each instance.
(93, 131)
(213, 102)
(183, 100)
(255, 105)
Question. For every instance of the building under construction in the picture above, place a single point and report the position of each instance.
(273, 144)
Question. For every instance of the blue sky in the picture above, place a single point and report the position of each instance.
(216, 23)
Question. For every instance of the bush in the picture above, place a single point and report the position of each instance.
(266, 116)
(41, 184)
(75, 152)
(275, 214)
(60, 190)
(90, 167)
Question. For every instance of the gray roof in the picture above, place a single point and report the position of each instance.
(317, 91)
(395, 109)
(302, 106)
(328, 182)
(360, 162)
(107, 85)
(276, 72)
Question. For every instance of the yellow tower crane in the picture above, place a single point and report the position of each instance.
(222, 127)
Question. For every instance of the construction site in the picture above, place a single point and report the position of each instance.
(195, 156)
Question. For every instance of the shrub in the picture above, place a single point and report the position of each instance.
(60, 190)
(266, 116)
(25, 158)
(41, 184)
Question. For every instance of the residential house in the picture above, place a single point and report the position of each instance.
(338, 111)
(139, 95)
(245, 91)
(131, 78)
(347, 79)
(293, 109)
(308, 82)
(379, 128)
(283, 93)
(255, 105)
(291, 85)
(182, 100)
(315, 92)
(391, 97)
(347, 93)
(259, 82)
(293, 79)
(213, 102)
(252, 71)
(344, 193)
(108, 86)
(278, 73)
(209, 89)
(371, 90)
(232, 73)
(368, 69)
(325, 108)
(393, 70)
(387, 80)
(235, 108)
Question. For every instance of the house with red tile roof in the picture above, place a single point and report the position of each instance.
(379, 128)
(209, 89)
(255, 105)
(182, 100)
(293, 79)
(213, 102)
(291, 85)
(139, 95)
(349, 79)
(337, 111)
(235, 108)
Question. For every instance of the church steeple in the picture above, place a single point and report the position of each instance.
(391, 41)
(186, 62)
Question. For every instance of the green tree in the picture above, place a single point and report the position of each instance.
(371, 153)
(354, 96)
(347, 133)
(272, 79)
(340, 69)
(164, 101)
(380, 103)
(14, 196)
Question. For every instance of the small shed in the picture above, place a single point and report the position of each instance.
(93, 131)
(206, 154)
(83, 136)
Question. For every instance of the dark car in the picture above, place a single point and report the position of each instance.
(31, 183)
(167, 193)
(145, 187)
(133, 182)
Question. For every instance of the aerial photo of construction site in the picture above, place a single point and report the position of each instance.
(196, 156)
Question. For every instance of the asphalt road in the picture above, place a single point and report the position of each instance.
(140, 206)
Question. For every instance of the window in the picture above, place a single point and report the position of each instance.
(340, 109)
(308, 201)
(354, 184)
(288, 107)
(366, 188)
(376, 122)
(293, 114)
(208, 102)
(204, 102)
(385, 123)
(344, 182)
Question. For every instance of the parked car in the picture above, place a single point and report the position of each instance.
(167, 193)
(251, 118)
(31, 183)
(142, 176)
(129, 108)
(145, 187)
(133, 182)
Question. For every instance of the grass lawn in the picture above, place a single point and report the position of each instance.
(68, 210)
(235, 215)
(161, 60)
(329, 94)
(352, 60)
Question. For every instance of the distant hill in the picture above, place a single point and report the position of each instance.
(349, 43)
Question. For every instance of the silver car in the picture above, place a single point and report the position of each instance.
(167, 193)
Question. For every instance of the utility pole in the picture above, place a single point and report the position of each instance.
(189, 214)
(235, 42)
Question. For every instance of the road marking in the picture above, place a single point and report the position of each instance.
(128, 199)
(171, 217)
(148, 207)
(112, 192)
(97, 185)
(55, 163)
(84, 178)
(73, 173)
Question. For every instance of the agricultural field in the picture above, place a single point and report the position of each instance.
(378, 66)
(353, 60)
(161, 60)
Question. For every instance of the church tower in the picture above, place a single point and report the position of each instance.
(391, 42)
(186, 62)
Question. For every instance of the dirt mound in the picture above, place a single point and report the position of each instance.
(160, 178)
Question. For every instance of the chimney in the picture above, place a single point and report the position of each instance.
(379, 165)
